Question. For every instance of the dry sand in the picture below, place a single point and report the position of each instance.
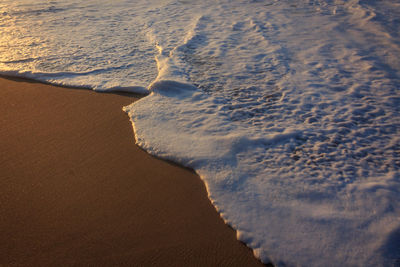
(76, 190)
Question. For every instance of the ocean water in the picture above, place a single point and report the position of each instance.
(288, 110)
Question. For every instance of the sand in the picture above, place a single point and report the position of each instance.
(76, 190)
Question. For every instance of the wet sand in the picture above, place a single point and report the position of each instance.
(76, 190)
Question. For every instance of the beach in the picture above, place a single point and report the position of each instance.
(76, 190)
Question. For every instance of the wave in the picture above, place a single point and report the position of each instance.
(77, 80)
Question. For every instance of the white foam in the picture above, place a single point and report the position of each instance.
(293, 130)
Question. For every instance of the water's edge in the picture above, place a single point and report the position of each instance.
(21, 78)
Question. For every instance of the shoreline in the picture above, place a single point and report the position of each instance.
(76, 190)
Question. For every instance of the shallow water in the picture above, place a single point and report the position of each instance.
(288, 110)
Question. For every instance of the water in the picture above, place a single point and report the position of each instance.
(288, 110)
